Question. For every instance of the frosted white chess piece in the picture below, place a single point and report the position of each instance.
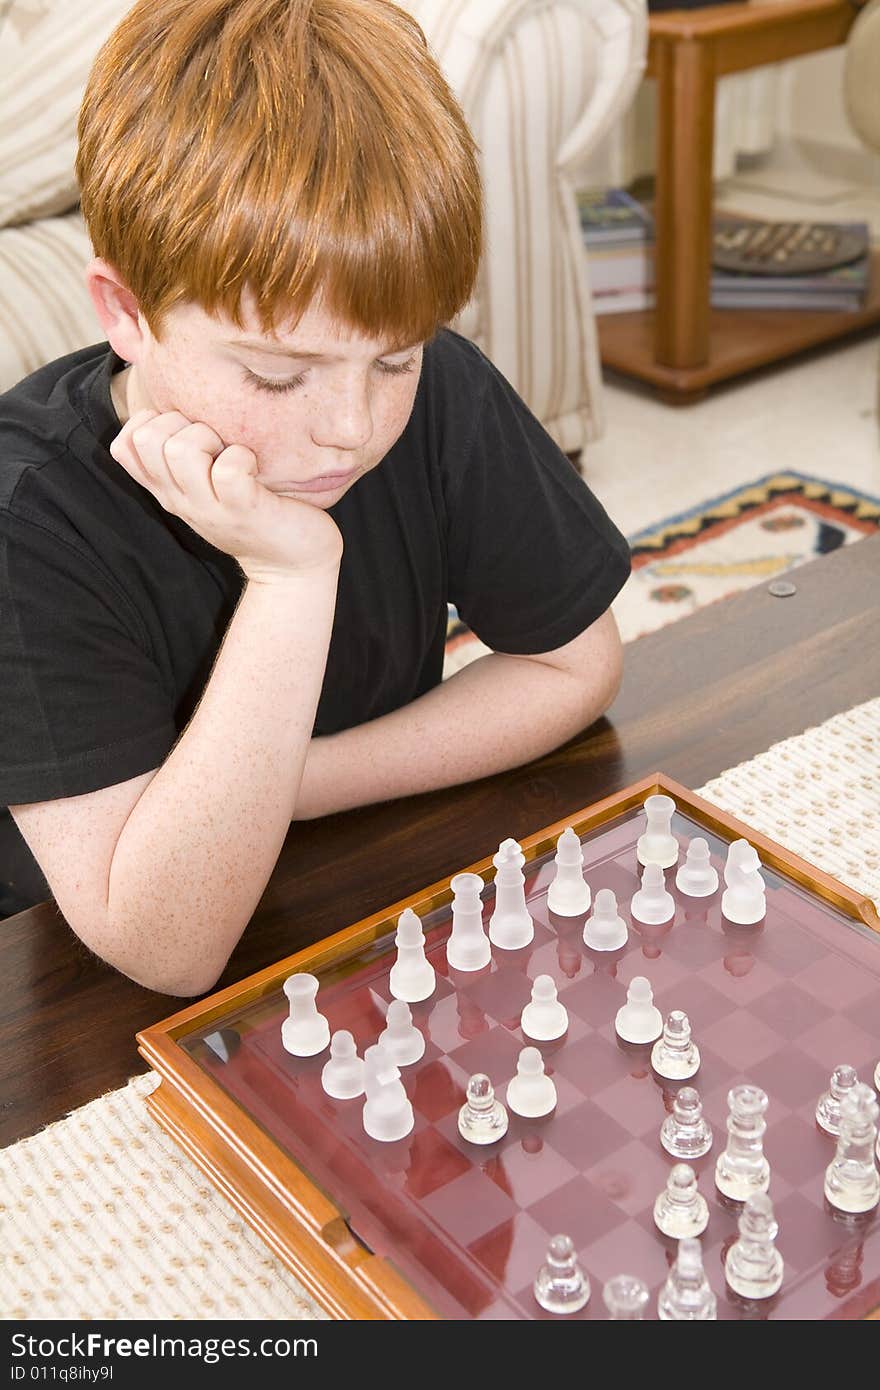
(531, 1093)
(843, 1078)
(742, 1170)
(680, 1209)
(569, 893)
(468, 947)
(561, 1285)
(387, 1114)
(744, 899)
(510, 926)
(412, 974)
(753, 1267)
(401, 1039)
(675, 1055)
(658, 845)
(605, 929)
(544, 1018)
(652, 903)
(343, 1076)
(305, 1032)
(638, 1020)
(482, 1119)
(686, 1295)
(852, 1182)
(697, 877)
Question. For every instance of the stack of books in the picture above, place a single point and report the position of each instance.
(618, 233)
(772, 268)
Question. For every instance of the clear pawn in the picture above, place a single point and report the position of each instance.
(343, 1076)
(569, 893)
(482, 1119)
(753, 1266)
(638, 1020)
(510, 926)
(674, 1055)
(403, 1042)
(626, 1298)
(843, 1078)
(658, 845)
(468, 946)
(412, 974)
(742, 1170)
(686, 1295)
(686, 1133)
(652, 903)
(697, 877)
(605, 929)
(531, 1093)
(544, 1018)
(852, 1182)
(680, 1209)
(561, 1285)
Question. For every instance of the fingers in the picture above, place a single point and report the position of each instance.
(169, 455)
(234, 478)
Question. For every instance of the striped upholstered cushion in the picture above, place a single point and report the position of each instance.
(46, 49)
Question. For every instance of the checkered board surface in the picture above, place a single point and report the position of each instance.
(778, 1005)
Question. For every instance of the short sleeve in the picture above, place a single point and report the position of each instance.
(534, 559)
(83, 702)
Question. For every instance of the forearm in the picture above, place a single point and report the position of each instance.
(197, 850)
(498, 712)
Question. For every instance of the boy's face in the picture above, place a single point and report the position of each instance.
(319, 404)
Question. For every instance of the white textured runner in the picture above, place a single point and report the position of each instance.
(102, 1216)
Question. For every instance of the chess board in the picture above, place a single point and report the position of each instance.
(433, 1227)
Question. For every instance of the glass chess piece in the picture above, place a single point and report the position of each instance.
(754, 1267)
(680, 1209)
(561, 1285)
(852, 1182)
(305, 1032)
(531, 1093)
(652, 903)
(877, 1076)
(697, 878)
(569, 893)
(605, 929)
(742, 1170)
(387, 1114)
(638, 1020)
(675, 1055)
(544, 1018)
(743, 901)
(658, 845)
(686, 1295)
(510, 926)
(468, 947)
(343, 1076)
(686, 1133)
(402, 1040)
(843, 1078)
(482, 1119)
(626, 1298)
(412, 974)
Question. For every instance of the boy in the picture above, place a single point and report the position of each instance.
(229, 537)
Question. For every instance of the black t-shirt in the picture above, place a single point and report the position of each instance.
(112, 610)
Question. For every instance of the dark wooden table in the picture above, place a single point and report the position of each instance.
(698, 697)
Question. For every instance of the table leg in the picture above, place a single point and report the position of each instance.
(683, 204)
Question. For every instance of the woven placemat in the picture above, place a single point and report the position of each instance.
(103, 1217)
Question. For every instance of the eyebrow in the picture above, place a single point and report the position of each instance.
(279, 350)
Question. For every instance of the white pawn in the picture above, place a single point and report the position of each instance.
(753, 1266)
(401, 1039)
(531, 1093)
(744, 899)
(681, 1210)
(388, 1114)
(605, 929)
(544, 1018)
(697, 878)
(569, 893)
(305, 1032)
(652, 903)
(674, 1055)
(843, 1079)
(686, 1295)
(638, 1020)
(343, 1076)
(412, 974)
(510, 926)
(468, 947)
(658, 845)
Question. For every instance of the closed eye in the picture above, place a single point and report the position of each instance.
(273, 384)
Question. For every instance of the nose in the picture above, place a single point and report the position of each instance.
(343, 418)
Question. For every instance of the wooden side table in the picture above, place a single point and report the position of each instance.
(684, 346)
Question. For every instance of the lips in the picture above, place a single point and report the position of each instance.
(326, 482)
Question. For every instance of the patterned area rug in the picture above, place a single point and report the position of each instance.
(749, 536)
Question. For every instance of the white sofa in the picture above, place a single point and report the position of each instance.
(541, 82)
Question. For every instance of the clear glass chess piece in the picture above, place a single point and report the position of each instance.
(561, 1285)
(686, 1133)
(569, 893)
(544, 1017)
(852, 1182)
(843, 1078)
(697, 877)
(680, 1209)
(657, 844)
(412, 974)
(754, 1267)
(675, 1055)
(742, 1169)
(638, 1020)
(686, 1295)
(482, 1119)
(626, 1298)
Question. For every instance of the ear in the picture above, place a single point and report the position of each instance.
(117, 309)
